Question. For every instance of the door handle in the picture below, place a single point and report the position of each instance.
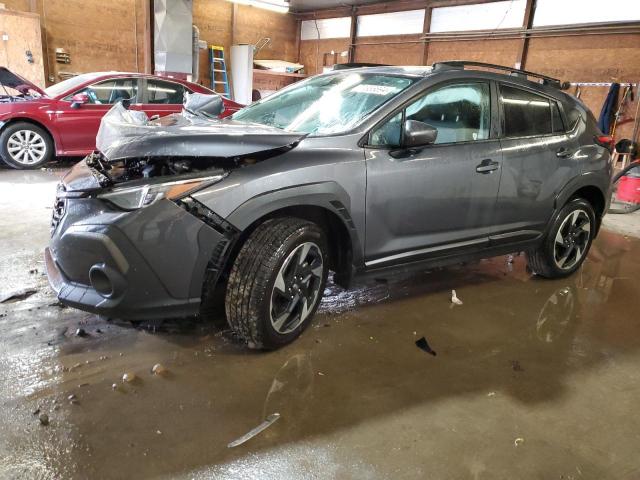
(563, 153)
(487, 166)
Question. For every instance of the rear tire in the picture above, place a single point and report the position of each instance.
(567, 244)
(276, 282)
(25, 146)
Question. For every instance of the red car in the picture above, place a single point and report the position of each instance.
(63, 119)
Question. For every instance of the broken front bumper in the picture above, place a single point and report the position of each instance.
(146, 263)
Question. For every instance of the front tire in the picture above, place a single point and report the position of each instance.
(568, 242)
(24, 145)
(276, 282)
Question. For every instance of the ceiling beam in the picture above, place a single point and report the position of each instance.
(426, 28)
(527, 23)
(385, 7)
(353, 34)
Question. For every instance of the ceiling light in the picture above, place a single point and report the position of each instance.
(280, 6)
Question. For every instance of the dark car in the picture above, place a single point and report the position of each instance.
(63, 119)
(360, 171)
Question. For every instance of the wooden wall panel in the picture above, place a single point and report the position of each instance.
(312, 53)
(98, 35)
(214, 19)
(23, 32)
(501, 52)
(252, 24)
(589, 58)
(19, 5)
(392, 54)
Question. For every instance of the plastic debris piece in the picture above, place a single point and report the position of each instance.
(128, 377)
(270, 420)
(491, 394)
(114, 386)
(20, 294)
(44, 419)
(158, 369)
(518, 441)
(454, 298)
(422, 344)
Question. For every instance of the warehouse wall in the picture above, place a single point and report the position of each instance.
(576, 58)
(102, 35)
(98, 35)
(214, 18)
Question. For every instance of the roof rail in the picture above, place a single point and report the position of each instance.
(461, 64)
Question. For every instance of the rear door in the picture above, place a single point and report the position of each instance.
(537, 162)
(441, 198)
(162, 97)
(79, 125)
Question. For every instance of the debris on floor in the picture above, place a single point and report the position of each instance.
(44, 419)
(518, 441)
(80, 332)
(422, 344)
(19, 294)
(454, 298)
(270, 420)
(516, 367)
(159, 369)
(129, 377)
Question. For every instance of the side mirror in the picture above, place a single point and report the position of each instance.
(202, 104)
(78, 99)
(418, 134)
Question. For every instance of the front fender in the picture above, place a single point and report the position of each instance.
(328, 195)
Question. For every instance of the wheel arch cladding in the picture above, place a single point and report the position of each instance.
(592, 187)
(594, 196)
(313, 203)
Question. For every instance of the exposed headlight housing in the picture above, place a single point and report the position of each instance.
(132, 198)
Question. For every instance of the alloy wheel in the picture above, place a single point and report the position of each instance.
(296, 288)
(572, 239)
(26, 147)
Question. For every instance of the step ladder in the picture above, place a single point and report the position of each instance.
(218, 70)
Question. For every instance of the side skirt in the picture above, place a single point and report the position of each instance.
(452, 258)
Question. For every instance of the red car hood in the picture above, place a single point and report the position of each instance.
(12, 80)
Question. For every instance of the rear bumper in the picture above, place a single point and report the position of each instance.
(148, 263)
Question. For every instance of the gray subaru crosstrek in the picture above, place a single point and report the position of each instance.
(357, 171)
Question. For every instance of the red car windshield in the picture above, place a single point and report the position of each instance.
(70, 84)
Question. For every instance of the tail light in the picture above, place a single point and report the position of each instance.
(605, 141)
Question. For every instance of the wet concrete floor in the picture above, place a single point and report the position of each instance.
(531, 378)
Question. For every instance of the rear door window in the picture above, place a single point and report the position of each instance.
(160, 92)
(524, 113)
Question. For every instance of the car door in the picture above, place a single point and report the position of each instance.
(162, 97)
(537, 162)
(78, 124)
(440, 198)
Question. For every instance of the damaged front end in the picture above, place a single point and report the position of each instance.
(131, 147)
(128, 240)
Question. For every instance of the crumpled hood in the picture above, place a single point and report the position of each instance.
(129, 134)
(16, 82)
